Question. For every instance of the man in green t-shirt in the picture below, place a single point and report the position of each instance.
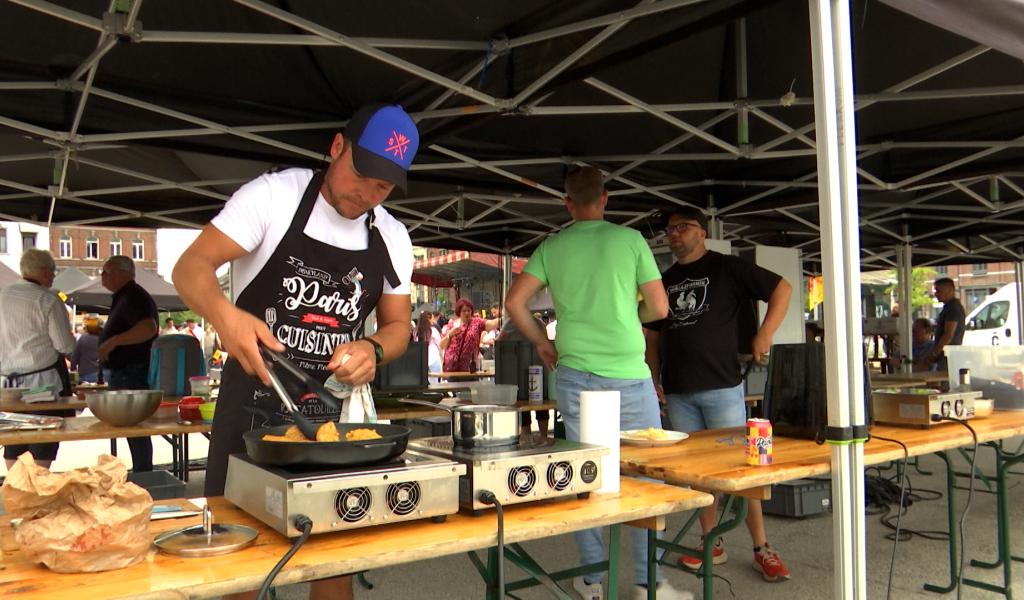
(604, 283)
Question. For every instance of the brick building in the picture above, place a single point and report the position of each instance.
(87, 247)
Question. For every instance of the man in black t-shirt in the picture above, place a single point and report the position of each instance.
(949, 326)
(125, 342)
(693, 353)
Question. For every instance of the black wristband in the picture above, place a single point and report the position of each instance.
(378, 350)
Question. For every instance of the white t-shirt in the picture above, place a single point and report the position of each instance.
(258, 215)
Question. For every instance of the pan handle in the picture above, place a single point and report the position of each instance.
(427, 404)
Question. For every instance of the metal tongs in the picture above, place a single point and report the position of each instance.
(272, 360)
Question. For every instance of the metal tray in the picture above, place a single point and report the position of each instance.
(19, 421)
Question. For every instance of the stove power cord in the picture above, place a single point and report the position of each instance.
(488, 497)
(970, 494)
(306, 525)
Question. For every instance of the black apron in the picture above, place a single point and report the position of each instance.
(313, 297)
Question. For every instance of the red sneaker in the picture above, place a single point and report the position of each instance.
(718, 557)
(768, 562)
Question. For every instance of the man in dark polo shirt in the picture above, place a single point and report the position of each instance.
(125, 342)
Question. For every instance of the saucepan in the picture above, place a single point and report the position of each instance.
(480, 425)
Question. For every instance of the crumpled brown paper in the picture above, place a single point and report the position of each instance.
(86, 520)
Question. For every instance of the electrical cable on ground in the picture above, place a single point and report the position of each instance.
(899, 510)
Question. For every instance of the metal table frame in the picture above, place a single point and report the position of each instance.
(1004, 461)
(517, 555)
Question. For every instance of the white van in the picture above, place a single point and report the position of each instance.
(994, 322)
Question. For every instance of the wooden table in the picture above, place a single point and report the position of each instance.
(462, 375)
(91, 428)
(639, 503)
(925, 376)
(714, 460)
(64, 403)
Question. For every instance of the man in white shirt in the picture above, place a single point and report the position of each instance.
(35, 336)
(312, 253)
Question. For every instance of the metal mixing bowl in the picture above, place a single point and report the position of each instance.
(122, 408)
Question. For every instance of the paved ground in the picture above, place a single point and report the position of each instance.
(805, 544)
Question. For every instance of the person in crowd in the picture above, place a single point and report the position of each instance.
(426, 332)
(693, 353)
(461, 343)
(211, 346)
(168, 328)
(291, 234)
(596, 272)
(35, 336)
(194, 329)
(922, 332)
(495, 312)
(126, 340)
(85, 358)
(949, 326)
(442, 322)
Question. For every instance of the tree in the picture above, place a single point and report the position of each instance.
(921, 279)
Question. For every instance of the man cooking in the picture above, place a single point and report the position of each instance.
(312, 254)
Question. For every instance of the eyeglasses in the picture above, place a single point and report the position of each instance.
(680, 228)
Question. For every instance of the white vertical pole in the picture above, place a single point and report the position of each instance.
(506, 281)
(1018, 273)
(840, 245)
(905, 288)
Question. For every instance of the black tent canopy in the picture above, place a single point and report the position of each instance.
(91, 296)
(152, 113)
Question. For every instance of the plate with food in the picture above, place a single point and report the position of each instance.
(652, 436)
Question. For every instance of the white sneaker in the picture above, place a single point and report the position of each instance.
(588, 591)
(665, 591)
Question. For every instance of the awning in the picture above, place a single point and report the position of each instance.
(444, 271)
(93, 297)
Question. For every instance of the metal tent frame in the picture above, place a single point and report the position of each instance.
(497, 203)
(719, 105)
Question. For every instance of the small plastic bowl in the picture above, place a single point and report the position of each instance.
(499, 393)
(206, 410)
(200, 388)
(167, 411)
(188, 408)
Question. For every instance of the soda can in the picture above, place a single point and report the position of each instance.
(535, 383)
(759, 442)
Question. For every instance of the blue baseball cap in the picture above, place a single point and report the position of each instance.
(384, 141)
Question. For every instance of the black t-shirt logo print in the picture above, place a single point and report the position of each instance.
(688, 300)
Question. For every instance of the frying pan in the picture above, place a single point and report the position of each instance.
(392, 443)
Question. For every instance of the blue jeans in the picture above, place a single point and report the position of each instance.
(708, 409)
(638, 409)
(133, 377)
